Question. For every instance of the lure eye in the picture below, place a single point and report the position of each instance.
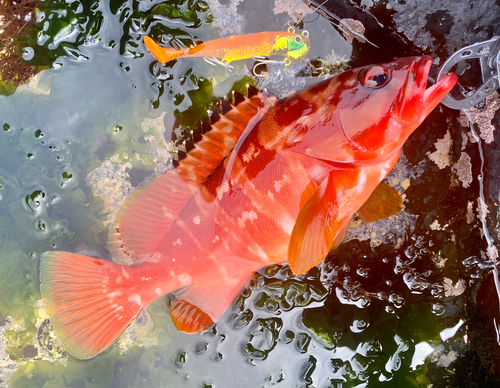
(297, 39)
(374, 76)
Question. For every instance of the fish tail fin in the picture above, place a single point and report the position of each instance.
(90, 301)
(161, 54)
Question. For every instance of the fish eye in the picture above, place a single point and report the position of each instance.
(374, 76)
(297, 39)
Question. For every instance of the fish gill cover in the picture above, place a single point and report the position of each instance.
(79, 137)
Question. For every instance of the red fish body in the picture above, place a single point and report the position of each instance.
(271, 182)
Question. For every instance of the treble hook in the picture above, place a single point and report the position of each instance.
(264, 61)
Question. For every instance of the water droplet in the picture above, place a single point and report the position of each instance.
(397, 300)
(34, 200)
(28, 53)
(201, 348)
(359, 325)
(288, 336)
(438, 309)
(181, 359)
(303, 341)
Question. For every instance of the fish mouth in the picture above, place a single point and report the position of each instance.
(432, 95)
(419, 100)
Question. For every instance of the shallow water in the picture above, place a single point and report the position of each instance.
(388, 309)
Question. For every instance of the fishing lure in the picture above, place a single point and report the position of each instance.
(288, 44)
(271, 182)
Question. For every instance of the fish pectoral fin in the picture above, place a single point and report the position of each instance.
(384, 202)
(315, 229)
(340, 235)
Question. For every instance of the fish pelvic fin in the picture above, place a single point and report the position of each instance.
(86, 305)
(161, 54)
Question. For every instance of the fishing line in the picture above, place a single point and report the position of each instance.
(339, 20)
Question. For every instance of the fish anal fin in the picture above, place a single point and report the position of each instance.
(385, 201)
(315, 229)
(87, 307)
(188, 318)
(147, 216)
(210, 296)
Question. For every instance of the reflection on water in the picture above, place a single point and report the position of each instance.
(81, 136)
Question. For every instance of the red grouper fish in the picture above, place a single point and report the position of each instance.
(270, 182)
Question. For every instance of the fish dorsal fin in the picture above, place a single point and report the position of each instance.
(384, 202)
(150, 211)
(315, 229)
(225, 132)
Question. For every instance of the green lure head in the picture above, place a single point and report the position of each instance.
(294, 47)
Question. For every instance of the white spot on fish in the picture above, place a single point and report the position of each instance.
(361, 181)
(118, 279)
(119, 308)
(196, 220)
(184, 279)
(135, 298)
(287, 223)
(113, 305)
(155, 257)
(125, 273)
(158, 291)
(177, 242)
(222, 189)
(270, 194)
(216, 239)
(166, 213)
(120, 317)
(251, 216)
(172, 273)
(278, 185)
(114, 294)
